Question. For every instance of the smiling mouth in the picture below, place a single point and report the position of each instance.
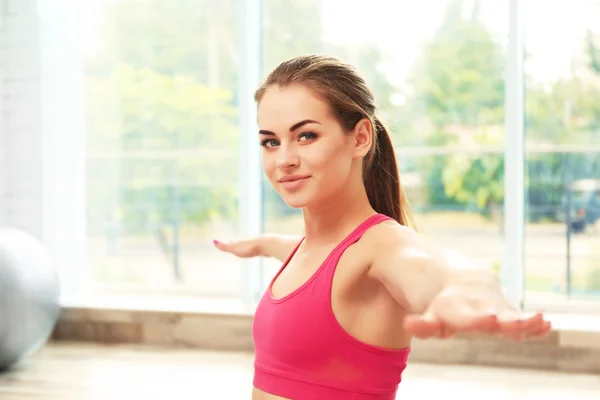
(293, 184)
(294, 179)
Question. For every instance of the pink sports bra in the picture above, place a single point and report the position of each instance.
(302, 352)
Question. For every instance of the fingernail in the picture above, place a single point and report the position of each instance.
(215, 241)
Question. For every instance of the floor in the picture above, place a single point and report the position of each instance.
(70, 371)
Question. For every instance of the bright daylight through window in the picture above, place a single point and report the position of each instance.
(164, 138)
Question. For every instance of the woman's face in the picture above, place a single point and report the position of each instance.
(306, 154)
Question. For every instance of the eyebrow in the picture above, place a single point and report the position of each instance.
(292, 128)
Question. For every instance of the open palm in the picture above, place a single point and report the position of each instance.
(474, 310)
(241, 248)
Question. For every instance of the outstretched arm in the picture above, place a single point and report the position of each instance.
(446, 292)
(267, 245)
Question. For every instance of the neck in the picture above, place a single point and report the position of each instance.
(333, 220)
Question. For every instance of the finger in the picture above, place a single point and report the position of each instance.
(518, 326)
(446, 331)
(237, 248)
(510, 325)
(221, 245)
(544, 329)
(460, 316)
(498, 305)
(482, 322)
(532, 324)
(422, 326)
(537, 326)
(492, 328)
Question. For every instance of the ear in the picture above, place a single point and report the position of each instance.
(363, 137)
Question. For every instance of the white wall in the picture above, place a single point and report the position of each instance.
(42, 136)
(21, 155)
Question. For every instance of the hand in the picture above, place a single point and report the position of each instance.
(241, 248)
(474, 310)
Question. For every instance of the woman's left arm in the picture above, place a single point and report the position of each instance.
(445, 292)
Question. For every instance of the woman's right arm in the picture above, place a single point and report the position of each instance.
(267, 245)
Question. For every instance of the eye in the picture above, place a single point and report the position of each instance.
(308, 136)
(269, 143)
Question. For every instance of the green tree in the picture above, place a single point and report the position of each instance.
(138, 110)
(565, 112)
(290, 28)
(162, 127)
(368, 60)
(476, 179)
(285, 38)
(159, 111)
(195, 38)
(593, 51)
(458, 80)
(458, 86)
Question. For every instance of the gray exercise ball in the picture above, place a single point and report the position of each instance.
(29, 296)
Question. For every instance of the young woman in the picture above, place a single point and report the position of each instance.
(336, 322)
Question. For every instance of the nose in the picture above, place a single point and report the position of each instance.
(288, 158)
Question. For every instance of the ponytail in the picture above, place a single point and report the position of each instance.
(382, 180)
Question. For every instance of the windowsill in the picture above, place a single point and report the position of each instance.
(226, 325)
(575, 322)
(561, 321)
(166, 303)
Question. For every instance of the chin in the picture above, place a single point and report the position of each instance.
(295, 200)
(295, 203)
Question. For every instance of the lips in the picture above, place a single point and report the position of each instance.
(292, 178)
(293, 182)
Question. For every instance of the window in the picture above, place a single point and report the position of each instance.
(162, 144)
(168, 104)
(562, 120)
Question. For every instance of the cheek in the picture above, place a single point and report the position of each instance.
(268, 165)
(333, 162)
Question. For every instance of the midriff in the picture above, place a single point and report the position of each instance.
(258, 394)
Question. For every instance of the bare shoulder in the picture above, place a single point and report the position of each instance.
(398, 260)
(390, 236)
(391, 244)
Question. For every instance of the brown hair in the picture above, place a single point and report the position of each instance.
(350, 100)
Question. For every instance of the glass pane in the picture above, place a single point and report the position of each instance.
(563, 151)
(162, 144)
(437, 70)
